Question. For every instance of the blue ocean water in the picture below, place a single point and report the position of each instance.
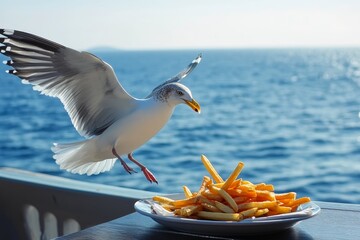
(291, 115)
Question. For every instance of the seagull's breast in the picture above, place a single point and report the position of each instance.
(140, 126)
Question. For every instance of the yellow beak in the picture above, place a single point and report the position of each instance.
(194, 105)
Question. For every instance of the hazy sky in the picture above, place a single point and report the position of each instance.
(194, 24)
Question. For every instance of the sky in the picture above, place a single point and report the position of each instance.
(187, 24)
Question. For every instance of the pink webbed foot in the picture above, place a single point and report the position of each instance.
(126, 167)
(149, 176)
(123, 163)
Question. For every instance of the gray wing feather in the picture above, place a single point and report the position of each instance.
(181, 74)
(86, 85)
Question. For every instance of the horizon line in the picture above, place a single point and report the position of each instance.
(110, 49)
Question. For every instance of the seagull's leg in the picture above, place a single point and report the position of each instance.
(123, 163)
(149, 176)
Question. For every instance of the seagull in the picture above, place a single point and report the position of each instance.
(113, 122)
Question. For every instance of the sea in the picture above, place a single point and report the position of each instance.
(290, 115)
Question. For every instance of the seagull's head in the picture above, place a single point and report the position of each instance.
(177, 93)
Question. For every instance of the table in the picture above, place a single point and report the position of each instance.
(335, 221)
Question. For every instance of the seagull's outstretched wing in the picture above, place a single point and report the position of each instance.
(85, 84)
(180, 75)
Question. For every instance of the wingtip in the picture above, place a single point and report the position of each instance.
(12, 71)
(4, 49)
(8, 62)
(198, 58)
(7, 32)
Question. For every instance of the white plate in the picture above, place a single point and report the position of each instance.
(249, 226)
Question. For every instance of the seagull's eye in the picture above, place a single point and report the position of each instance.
(180, 93)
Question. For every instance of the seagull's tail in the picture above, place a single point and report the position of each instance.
(78, 157)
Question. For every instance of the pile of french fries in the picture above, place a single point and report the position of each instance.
(232, 200)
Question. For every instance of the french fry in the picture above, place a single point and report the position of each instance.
(236, 183)
(249, 213)
(285, 201)
(233, 176)
(209, 167)
(265, 204)
(212, 196)
(220, 216)
(189, 210)
(226, 197)
(184, 202)
(234, 192)
(224, 208)
(168, 207)
(187, 192)
(203, 199)
(302, 200)
(290, 195)
(265, 195)
(244, 182)
(263, 186)
(261, 212)
(163, 200)
(219, 185)
(281, 209)
(206, 181)
(299, 201)
(240, 193)
(273, 212)
(246, 188)
(210, 207)
(250, 194)
(239, 200)
(229, 199)
(232, 200)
